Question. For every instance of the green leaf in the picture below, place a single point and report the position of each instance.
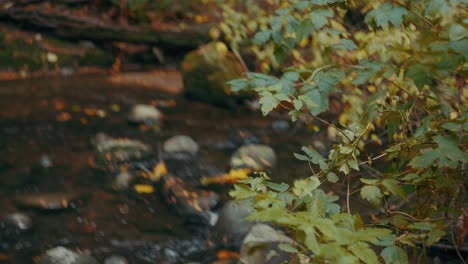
(332, 177)
(386, 14)
(393, 187)
(281, 187)
(316, 102)
(454, 127)
(267, 102)
(281, 53)
(301, 157)
(422, 226)
(457, 32)
(345, 44)
(394, 255)
(286, 247)
(460, 47)
(305, 187)
(297, 104)
(372, 194)
(319, 18)
(434, 236)
(291, 76)
(238, 84)
(262, 37)
(370, 71)
(241, 192)
(372, 235)
(327, 228)
(325, 2)
(369, 181)
(364, 252)
(326, 81)
(420, 74)
(315, 157)
(447, 154)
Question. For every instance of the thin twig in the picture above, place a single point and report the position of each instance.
(348, 194)
(417, 14)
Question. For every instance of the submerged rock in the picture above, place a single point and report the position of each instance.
(260, 242)
(232, 226)
(62, 255)
(47, 201)
(181, 144)
(253, 156)
(114, 259)
(18, 221)
(196, 205)
(145, 114)
(206, 71)
(110, 149)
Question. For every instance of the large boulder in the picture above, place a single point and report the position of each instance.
(205, 72)
(232, 226)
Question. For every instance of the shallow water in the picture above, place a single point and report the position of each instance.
(46, 118)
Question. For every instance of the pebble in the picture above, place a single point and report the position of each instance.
(19, 220)
(181, 144)
(62, 255)
(254, 156)
(145, 114)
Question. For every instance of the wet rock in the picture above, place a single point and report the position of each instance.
(145, 114)
(258, 244)
(280, 126)
(45, 161)
(232, 226)
(189, 168)
(18, 221)
(46, 201)
(196, 205)
(237, 138)
(181, 144)
(168, 81)
(205, 72)
(114, 259)
(110, 149)
(254, 156)
(62, 255)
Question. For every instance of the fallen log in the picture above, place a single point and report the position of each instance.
(72, 27)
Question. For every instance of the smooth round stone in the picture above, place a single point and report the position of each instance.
(232, 226)
(62, 255)
(48, 201)
(114, 259)
(254, 156)
(280, 125)
(146, 114)
(181, 144)
(19, 220)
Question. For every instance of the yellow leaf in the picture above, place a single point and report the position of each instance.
(158, 171)
(143, 188)
(231, 177)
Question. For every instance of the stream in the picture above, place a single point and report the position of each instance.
(46, 127)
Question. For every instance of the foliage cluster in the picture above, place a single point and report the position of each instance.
(399, 69)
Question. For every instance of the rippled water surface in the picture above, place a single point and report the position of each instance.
(49, 122)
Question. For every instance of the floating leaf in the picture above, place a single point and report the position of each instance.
(144, 188)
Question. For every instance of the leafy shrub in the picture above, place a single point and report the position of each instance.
(399, 68)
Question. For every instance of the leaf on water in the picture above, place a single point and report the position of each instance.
(143, 188)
